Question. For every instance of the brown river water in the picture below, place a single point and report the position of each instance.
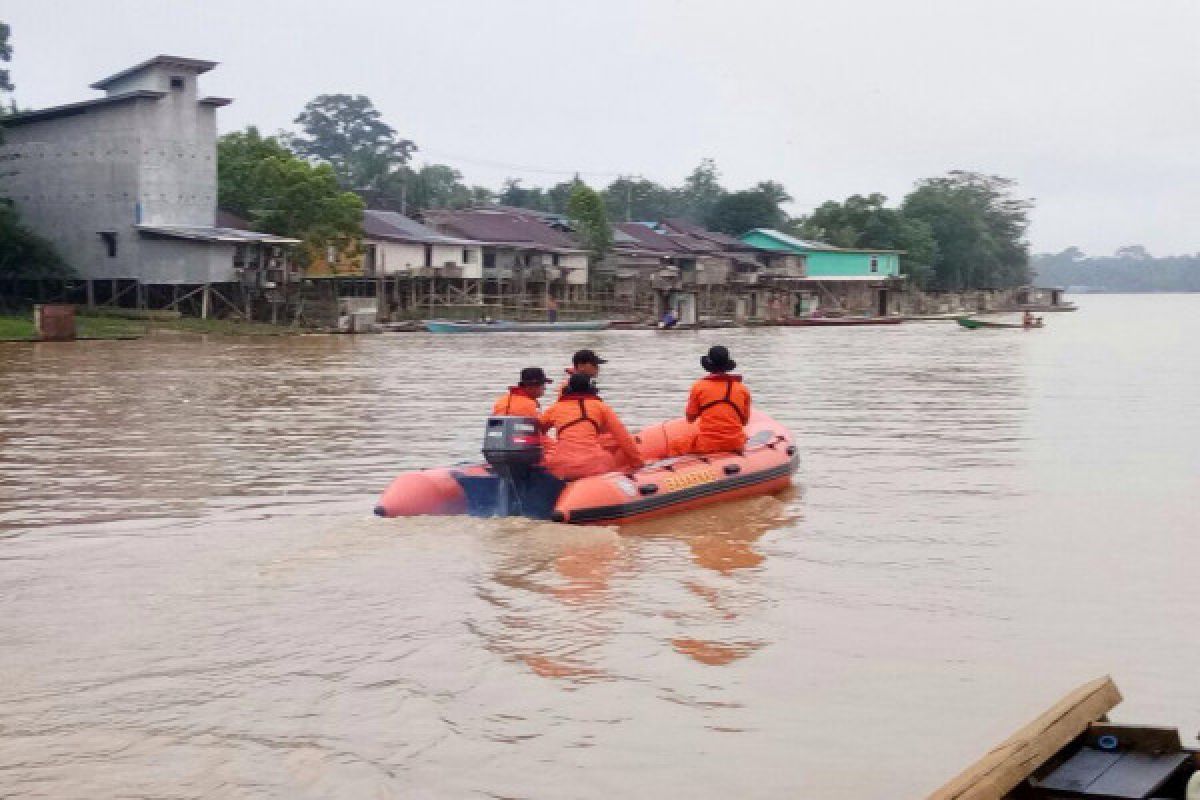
(195, 600)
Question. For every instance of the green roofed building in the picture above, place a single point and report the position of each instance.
(841, 279)
(826, 261)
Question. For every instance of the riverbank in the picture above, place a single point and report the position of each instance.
(19, 327)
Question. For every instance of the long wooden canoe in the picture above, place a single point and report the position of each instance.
(840, 322)
(506, 326)
(973, 324)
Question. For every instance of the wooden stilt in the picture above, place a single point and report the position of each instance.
(204, 302)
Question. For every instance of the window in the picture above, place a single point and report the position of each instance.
(429, 255)
(489, 260)
(177, 82)
(331, 255)
(874, 264)
(554, 259)
(467, 255)
(110, 242)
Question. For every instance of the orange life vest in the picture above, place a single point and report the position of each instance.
(516, 403)
(583, 424)
(719, 405)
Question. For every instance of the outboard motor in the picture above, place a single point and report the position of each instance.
(512, 446)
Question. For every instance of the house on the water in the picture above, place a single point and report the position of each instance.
(125, 186)
(846, 279)
(521, 253)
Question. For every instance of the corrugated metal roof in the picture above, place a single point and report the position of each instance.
(807, 244)
(394, 226)
(211, 233)
(78, 108)
(485, 225)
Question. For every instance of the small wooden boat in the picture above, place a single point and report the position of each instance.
(973, 324)
(840, 322)
(1072, 751)
(507, 326)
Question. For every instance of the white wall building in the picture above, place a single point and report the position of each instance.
(125, 185)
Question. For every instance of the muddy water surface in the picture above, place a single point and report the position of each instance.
(195, 600)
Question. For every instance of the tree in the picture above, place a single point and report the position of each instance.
(515, 195)
(1133, 251)
(23, 253)
(260, 179)
(348, 133)
(738, 212)
(637, 199)
(865, 221)
(240, 187)
(5, 57)
(432, 186)
(978, 227)
(701, 191)
(590, 219)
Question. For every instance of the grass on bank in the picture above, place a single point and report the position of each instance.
(19, 327)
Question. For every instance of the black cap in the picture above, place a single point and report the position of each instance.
(531, 376)
(581, 384)
(718, 360)
(587, 357)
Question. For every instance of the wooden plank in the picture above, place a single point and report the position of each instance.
(998, 772)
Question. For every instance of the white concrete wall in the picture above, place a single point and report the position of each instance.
(394, 258)
(181, 261)
(72, 177)
(577, 274)
(110, 167)
(472, 266)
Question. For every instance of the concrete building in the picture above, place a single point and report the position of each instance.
(519, 249)
(125, 185)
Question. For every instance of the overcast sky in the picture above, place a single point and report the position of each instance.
(1092, 106)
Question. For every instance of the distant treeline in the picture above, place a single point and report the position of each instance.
(1130, 269)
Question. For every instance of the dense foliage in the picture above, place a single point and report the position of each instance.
(979, 228)
(1130, 269)
(23, 253)
(585, 209)
(348, 133)
(260, 179)
(761, 207)
(865, 222)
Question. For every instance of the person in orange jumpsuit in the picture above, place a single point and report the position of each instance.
(718, 408)
(584, 362)
(579, 420)
(522, 400)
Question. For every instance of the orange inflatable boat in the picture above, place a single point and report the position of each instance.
(663, 486)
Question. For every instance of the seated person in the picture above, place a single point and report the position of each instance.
(585, 362)
(669, 319)
(718, 407)
(580, 420)
(522, 400)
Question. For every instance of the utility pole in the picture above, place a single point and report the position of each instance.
(629, 196)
